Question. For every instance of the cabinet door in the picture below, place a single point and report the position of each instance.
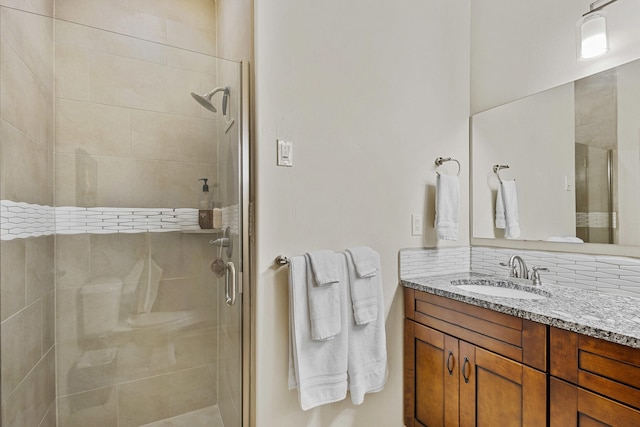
(574, 406)
(496, 391)
(433, 391)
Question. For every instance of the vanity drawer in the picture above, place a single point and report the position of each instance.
(597, 365)
(518, 339)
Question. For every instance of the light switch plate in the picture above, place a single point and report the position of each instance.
(416, 224)
(285, 153)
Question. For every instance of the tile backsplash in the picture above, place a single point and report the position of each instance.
(609, 274)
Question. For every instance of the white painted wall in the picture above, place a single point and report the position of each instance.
(370, 93)
(544, 124)
(522, 47)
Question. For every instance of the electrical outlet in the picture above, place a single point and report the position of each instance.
(416, 224)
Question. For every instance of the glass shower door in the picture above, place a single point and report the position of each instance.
(144, 334)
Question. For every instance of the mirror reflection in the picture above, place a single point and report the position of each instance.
(574, 160)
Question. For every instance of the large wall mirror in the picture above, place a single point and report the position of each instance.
(574, 153)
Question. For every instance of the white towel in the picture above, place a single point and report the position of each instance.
(367, 347)
(323, 287)
(318, 369)
(507, 209)
(324, 265)
(364, 285)
(447, 207)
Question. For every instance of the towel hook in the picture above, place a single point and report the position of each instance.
(441, 160)
(498, 168)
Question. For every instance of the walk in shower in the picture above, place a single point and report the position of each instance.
(113, 311)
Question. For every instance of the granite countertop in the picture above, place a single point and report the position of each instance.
(612, 318)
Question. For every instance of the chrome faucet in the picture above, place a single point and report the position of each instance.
(521, 270)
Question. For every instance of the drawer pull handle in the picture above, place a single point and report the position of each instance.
(449, 363)
(464, 370)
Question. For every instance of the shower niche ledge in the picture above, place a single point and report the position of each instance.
(204, 231)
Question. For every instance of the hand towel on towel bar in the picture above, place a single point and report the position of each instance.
(447, 206)
(507, 209)
(323, 285)
(367, 344)
(364, 284)
(318, 369)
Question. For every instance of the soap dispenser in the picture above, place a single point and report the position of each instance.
(205, 211)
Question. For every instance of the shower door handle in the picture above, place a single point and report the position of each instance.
(230, 284)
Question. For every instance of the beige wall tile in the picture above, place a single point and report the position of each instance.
(179, 294)
(197, 13)
(140, 18)
(12, 277)
(177, 254)
(142, 85)
(71, 71)
(67, 332)
(169, 184)
(142, 402)
(192, 61)
(92, 39)
(21, 338)
(114, 255)
(67, 337)
(42, 7)
(184, 35)
(91, 408)
(84, 180)
(156, 398)
(72, 260)
(49, 419)
(48, 321)
(197, 348)
(21, 95)
(99, 130)
(29, 404)
(170, 137)
(40, 265)
(25, 168)
(31, 37)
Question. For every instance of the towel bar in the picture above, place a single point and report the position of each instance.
(441, 160)
(282, 260)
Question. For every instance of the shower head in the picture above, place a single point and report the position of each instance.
(205, 100)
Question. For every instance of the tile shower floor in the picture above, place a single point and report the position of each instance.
(205, 417)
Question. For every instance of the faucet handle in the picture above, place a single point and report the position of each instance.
(535, 275)
(512, 268)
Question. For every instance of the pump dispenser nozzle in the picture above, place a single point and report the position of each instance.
(205, 186)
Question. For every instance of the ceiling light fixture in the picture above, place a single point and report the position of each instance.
(591, 31)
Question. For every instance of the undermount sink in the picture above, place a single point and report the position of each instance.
(500, 288)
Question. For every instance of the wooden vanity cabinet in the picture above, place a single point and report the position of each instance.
(469, 366)
(593, 383)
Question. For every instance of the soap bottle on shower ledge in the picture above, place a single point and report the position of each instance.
(205, 207)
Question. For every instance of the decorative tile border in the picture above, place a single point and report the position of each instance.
(608, 274)
(428, 262)
(613, 275)
(596, 219)
(20, 220)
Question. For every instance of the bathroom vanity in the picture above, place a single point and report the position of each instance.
(560, 356)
